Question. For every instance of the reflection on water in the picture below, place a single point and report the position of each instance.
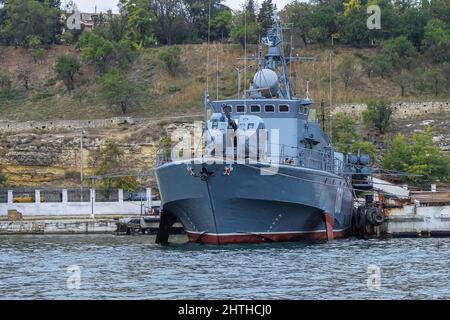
(133, 267)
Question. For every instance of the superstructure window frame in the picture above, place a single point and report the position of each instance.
(269, 105)
(255, 105)
(284, 105)
(239, 106)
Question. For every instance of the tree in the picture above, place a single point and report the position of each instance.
(434, 78)
(117, 89)
(140, 24)
(244, 30)
(5, 83)
(26, 18)
(344, 131)
(34, 44)
(170, 26)
(400, 52)
(171, 56)
(403, 80)
(437, 40)
(67, 66)
(378, 114)
(265, 15)
(381, 65)
(323, 23)
(3, 178)
(97, 51)
(347, 70)
(353, 26)
(24, 75)
(418, 155)
(299, 14)
(110, 162)
(221, 24)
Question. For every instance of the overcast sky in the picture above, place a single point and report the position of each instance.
(104, 5)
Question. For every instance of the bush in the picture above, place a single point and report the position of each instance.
(419, 156)
(378, 114)
(171, 58)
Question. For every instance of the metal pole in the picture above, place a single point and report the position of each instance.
(331, 99)
(217, 77)
(81, 165)
(238, 82)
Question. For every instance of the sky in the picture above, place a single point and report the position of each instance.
(104, 5)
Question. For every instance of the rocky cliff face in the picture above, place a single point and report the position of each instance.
(47, 154)
(52, 157)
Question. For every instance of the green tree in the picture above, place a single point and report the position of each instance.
(110, 163)
(171, 56)
(26, 18)
(34, 44)
(354, 29)
(400, 52)
(324, 23)
(265, 15)
(403, 80)
(221, 24)
(418, 155)
(344, 131)
(117, 89)
(437, 40)
(244, 30)
(378, 114)
(140, 22)
(347, 71)
(299, 14)
(3, 178)
(435, 80)
(67, 66)
(97, 51)
(381, 65)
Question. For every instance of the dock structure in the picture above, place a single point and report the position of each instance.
(419, 214)
(71, 212)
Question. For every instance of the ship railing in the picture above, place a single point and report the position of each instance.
(304, 157)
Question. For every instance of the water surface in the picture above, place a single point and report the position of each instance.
(133, 267)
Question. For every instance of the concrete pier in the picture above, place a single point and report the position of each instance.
(58, 226)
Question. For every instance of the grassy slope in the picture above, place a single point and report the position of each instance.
(160, 94)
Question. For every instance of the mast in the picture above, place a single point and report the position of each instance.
(275, 59)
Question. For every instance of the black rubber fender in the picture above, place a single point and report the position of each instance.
(377, 217)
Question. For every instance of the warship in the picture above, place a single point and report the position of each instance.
(267, 170)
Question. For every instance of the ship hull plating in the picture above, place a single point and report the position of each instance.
(254, 203)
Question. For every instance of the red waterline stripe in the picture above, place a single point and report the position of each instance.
(208, 238)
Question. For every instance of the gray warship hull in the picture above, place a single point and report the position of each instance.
(253, 204)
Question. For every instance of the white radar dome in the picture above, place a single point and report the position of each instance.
(266, 81)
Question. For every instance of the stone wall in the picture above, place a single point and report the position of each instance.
(402, 110)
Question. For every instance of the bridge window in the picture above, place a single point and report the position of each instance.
(269, 108)
(240, 109)
(255, 108)
(251, 126)
(301, 109)
(283, 108)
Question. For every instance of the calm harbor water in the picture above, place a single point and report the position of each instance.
(133, 267)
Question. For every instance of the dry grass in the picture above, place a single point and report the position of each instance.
(160, 95)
